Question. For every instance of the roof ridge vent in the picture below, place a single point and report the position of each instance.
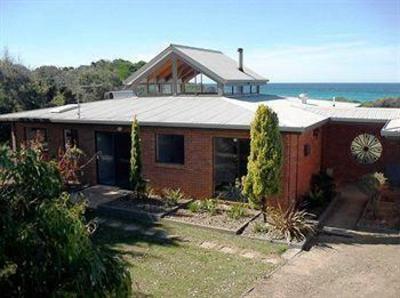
(303, 97)
(64, 108)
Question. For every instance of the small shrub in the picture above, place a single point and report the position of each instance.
(149, 192)
(260, 228)
(194, 207)
(69, 164)
(322, 190)
(234, 192)
(173, 196)
(207, 205)
(237, 211)
(316, 197)
(210, 206)
(372, 183)
(290, 224)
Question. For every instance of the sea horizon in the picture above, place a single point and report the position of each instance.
(353, 91)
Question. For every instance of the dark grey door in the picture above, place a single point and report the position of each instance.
(113, 163)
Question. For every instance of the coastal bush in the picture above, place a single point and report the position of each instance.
(386, 102)
(46, 248)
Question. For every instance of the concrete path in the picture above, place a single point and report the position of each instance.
(348, 208)
(101, 194)
(354, 264)
(365, 265)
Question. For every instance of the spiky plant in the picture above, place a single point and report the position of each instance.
(172, 196)
(290, 224)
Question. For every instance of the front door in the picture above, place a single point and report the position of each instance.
(113, 163)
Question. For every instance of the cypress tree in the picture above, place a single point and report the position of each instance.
(135, 176)
(265, 161)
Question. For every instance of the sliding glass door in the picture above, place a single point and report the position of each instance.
(230, 161)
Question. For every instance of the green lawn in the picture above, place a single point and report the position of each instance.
(181, 268)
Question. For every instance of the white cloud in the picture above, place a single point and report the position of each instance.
(335, 62)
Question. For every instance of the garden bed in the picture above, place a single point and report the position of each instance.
(383, 215)
(219, 219)
(251, 232)
(131, 207)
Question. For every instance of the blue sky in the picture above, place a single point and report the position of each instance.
(287, 41)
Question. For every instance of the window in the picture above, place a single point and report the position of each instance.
(170, 149)
(246, 89)
(37, 135)
(70, 138)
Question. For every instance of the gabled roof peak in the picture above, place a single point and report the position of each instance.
(174, 45)
(214, 64)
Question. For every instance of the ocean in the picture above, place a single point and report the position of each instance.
(354, 91)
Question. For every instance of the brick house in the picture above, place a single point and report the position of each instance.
(194, 107)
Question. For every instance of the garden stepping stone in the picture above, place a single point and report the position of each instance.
(250, 255)
(113, 223)
(149, 233)
(131, 228)
(229, 250)
(209, 245)
(275, 260)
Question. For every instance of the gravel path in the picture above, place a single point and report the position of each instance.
(365, 265)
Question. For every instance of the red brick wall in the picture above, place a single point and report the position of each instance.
(195, 177)
(298, 168)
(337, 155)
(308, 164)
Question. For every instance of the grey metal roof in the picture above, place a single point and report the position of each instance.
(179, 111)
(391, 129)
(214, 64)
(207, 112)
(355, 114)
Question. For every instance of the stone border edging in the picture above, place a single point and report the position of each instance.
(243, 227)
(183, 204)
(320, 222)
(132, 213)
(209, 227)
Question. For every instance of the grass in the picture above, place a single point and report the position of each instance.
(181, 268)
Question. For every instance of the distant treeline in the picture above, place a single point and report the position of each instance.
(23, 89)
(387, 102)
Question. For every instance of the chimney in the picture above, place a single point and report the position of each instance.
(240, 51)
